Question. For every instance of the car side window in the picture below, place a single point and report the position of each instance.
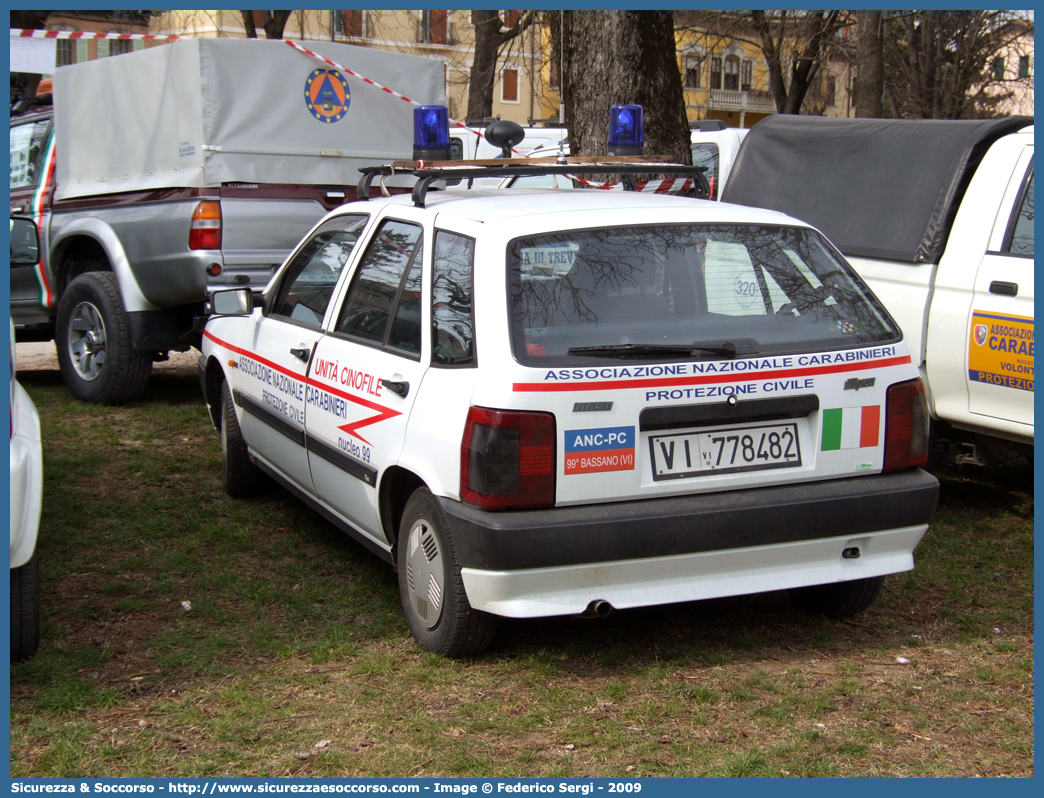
(1020, 237)
(707, 155)
(28, 142)
(308, 283)
(452, 315)
(384, 301)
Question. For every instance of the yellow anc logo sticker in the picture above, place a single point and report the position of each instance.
(1000, 350)
(326, 95)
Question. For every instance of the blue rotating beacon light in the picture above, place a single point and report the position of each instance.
(626, 130)
(431, 140)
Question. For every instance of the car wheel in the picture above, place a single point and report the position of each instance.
(432, 591)
(839, 600)
(25, 609)
(241, 478)
(98, 361)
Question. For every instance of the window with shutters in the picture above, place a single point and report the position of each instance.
(65, 53)
(121, 46)
(349, 23)
(692, 71)
(434, 27)
(509, 85)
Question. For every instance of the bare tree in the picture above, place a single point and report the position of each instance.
(955, 64)
(622, 57)
(869, 82)
(491, 36)
(272, 22)
(794, 44)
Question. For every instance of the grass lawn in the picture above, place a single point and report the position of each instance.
(186, 634)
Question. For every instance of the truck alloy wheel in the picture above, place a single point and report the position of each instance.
(87, 341)
(98, 361)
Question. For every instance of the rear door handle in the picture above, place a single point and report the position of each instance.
(1004, 288)
(401, 388)
(300, 354)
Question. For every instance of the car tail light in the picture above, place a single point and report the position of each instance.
(205, 231)
(507, 459)
(906, 426)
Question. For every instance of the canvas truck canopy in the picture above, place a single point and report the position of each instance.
(878, 188)
(202, 112)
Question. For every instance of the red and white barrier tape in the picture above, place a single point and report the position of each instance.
(66, 34)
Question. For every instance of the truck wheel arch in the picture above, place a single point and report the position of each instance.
(94, 237)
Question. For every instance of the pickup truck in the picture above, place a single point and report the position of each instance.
(163, 174)
(937, 217)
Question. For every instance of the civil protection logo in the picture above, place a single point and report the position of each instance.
(326, 95)
(980, 334)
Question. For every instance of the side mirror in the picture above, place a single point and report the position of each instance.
(232, 302)
(25, 242)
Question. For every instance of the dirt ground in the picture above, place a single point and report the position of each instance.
(43, 357)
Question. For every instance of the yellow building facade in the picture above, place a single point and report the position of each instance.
(726, 78)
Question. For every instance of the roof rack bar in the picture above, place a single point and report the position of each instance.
(420, 189)
(626, 168)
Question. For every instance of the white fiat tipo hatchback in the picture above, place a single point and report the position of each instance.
(540, 402)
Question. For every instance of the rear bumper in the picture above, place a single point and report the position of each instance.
(570, 589)
(548, 562)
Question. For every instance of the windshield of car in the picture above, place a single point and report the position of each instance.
(685, 291)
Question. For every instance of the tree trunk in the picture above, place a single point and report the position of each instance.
(273, 23)
(869, 86)
(623, 57)
(248, 24)
(805, 36)
(484, 65)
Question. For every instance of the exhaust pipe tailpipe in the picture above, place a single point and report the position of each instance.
(599, 608)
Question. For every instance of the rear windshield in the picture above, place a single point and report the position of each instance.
(649, 293)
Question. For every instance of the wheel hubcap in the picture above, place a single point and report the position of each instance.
(425, 579)
(87, 341)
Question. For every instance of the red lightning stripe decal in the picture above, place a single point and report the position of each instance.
(383, 413)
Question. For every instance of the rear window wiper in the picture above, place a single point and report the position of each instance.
(727, 349)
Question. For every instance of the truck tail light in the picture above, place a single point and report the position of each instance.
(906, 426)
(205, 231)
(507, 460)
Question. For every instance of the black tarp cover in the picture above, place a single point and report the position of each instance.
(878, 188)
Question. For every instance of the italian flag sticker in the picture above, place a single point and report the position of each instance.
(851, 427)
